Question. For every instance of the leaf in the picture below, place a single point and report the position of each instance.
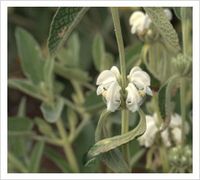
(22, 108)
(164, 100)
(57, 158)
(164, 26)
(30, 55)
(113, 159)
(107, 61)
(52, 112)
(26, 87)
(98, 51)
(63, 23)
(36, 156)
(71, 73)
(44, 127)
(19, 124)
(48, 73)
(69, 55)
(93, 102)
(132, 55)
(18, 146)
(177, 11)
(108, 144)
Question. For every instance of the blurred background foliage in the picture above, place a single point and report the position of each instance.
(95, 32)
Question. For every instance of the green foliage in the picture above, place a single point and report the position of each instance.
(35, 158)
(32, 65)
(165, 28)
(64, 21)
(25, 86)
(52, 112)
(177, 11)
(108, 144)
(102, 59)
(44, 127)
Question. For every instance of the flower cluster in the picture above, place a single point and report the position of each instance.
(141, 22)
(109, 88)
(171, 134)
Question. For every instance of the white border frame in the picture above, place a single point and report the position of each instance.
(3, 125)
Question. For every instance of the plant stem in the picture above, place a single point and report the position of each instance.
(124, 113)
(118, 33)
(67, 147)
(183, 112)
(17, 163)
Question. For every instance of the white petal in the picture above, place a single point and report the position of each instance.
(149, 91)
(176, 121)
(113, 97)
(140, 76)
(147, 22)
(134, 69)
(134, 16)
(147, 139)
(105, 76)
(115, 71)
(176, 133)
(133, 98)
(165, 137)
(168, 13)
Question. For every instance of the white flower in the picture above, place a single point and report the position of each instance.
(141, 22)
(138, 87)
(109, 88)
(168, 13)
(147, 139)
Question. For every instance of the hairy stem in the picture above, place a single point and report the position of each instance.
(124, 114)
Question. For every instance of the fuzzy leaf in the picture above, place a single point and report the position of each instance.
(113, 159)
(26, 87)
(108, 144)
(44, 127)
(36, 156)
(52, 112)
(30, 55)
(48, 73)
(98, 51)
(164, 26)
(69, 55)
(63, 23)
(71, 73)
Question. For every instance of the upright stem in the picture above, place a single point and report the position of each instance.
(118, 33)
(124, 114)
(67, 147)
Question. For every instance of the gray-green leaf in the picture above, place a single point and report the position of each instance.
(108, 144)
(52, 112)
(44, 127)
(113, 159)
(30, 55)
(64, 21)
(164, 26)
(36, 156)
(26, 87)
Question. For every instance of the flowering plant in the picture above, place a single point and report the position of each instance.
(113, 106)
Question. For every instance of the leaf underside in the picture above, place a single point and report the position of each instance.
(160, 20)
(64, 21)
